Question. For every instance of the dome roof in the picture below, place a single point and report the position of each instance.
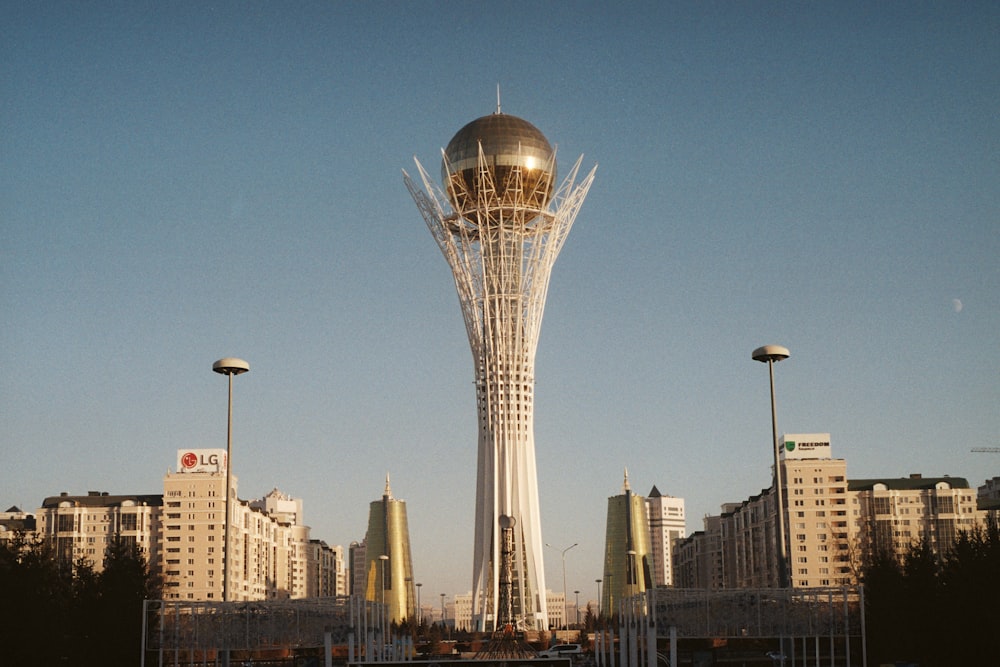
(501, 136)
(516, 151)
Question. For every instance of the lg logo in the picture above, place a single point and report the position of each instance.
(190, 460)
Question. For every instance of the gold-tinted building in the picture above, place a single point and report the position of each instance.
(388, 565)
(627, 569)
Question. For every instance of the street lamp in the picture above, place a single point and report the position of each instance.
(631, 575)
(384, 559)
(229, 366)
(563, 554)
(611, 594)
(769, 354)
(599, 601)
(420, 611)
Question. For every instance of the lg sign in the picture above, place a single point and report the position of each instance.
(201, 460)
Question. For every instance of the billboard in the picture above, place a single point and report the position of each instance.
(805, 446)
(201, 460)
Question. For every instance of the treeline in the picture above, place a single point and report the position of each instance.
(61, 615)
(936, 610)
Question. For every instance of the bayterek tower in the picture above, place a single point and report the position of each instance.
(500, 219)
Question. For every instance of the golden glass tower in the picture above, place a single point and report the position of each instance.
(388, 565)
(500, 222)
(627, 570)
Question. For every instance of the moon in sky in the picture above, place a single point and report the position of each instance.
(957, 305)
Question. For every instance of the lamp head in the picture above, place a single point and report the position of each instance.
(770, 353)
(230, 366)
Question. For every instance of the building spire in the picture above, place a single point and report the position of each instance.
(625, 486)
(388, 490)
(498, 97)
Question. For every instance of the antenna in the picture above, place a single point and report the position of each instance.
(498, 97)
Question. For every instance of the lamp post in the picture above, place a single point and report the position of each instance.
(563, 554)
(610, 590)
(420, 611)
(229, 366)
(384, 560)
(630, 584)
(599, 602)
(770, 354)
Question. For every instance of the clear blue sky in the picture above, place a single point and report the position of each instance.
(181, 182)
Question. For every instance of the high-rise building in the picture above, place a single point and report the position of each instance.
(500, 222)
(356, 564)
(627, 570)
(816, 498)
(268, 554)
(666, 526)
(388, 565)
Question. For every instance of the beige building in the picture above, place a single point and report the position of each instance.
(84, 526)
(268, 545)
(697, 558)
(326, 572)
(818, 525)
(181, 533)
(15, 521)
(895, 513)
(666, 526)
(831, 523)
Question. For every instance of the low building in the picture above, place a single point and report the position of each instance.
(82, 527)
(831, 523)
(181, 532)
(895, 513)
(14, 521)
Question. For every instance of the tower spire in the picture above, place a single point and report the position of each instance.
(498, 97)
(388, 490)
(625, 485)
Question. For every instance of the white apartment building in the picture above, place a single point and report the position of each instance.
(268, 554)
(326, 570)
(181, 533)
(988, 495)
(831, 522)
(895, 513)
(818, 528)
(667, 525)
(697, 559)
(84, 526)
(15, 521)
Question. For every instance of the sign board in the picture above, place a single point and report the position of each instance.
(201, 460)
(805, 446)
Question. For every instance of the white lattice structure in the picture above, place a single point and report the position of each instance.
(500, 223)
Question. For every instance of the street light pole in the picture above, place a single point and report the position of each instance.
(384, 560)
(770, 354)
(229, 366)
(420, 611)
(565, 606)
(631, 576)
